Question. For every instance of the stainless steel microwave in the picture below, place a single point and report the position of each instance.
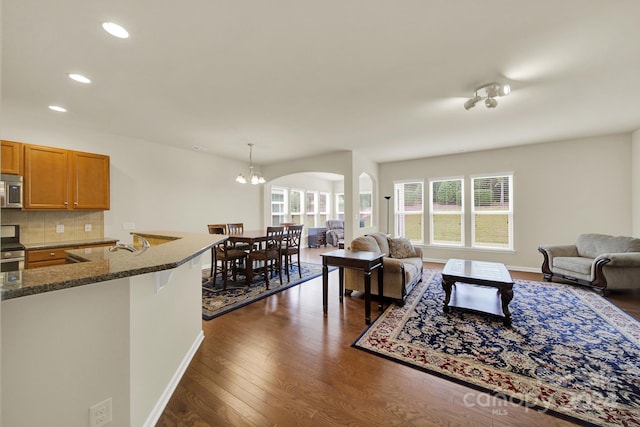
(11, 191)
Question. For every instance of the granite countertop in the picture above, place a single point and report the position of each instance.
(99, 264)
(65, 243)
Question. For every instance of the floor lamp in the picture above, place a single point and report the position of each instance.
(387, 198)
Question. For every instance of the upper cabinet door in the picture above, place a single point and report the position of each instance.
(11, 157)
(90, 180)
(46, 177)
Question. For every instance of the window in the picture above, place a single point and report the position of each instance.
(446, 212)
(492, 211)
(409, 210)
(366, 218)
(311, 208)
(278, 205)
(340, 205)
(295, 206)
(324, 208)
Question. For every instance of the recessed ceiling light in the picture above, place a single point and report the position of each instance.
(115, 30)
(57, 108)
(79, 78)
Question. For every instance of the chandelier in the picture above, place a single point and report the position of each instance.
(253, 177)
(487, 92)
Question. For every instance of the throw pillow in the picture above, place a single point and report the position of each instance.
(401, 247)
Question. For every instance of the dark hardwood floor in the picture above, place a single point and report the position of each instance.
(279, 362)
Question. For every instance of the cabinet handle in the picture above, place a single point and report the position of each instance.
(52, 254)
(66, 203)
(75, 203)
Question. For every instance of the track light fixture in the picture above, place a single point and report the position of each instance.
(488, 92)
(253, 177)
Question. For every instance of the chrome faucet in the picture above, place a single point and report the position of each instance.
(122, 246)
(145, 242)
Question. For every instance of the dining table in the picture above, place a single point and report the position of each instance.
(253, 238)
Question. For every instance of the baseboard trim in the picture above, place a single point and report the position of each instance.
(510, 267)
(155, 414)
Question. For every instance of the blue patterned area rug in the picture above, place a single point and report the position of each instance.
(569, 352)
(216, 302)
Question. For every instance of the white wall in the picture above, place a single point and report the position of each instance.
(635, 182)
(154, 186)
(165, 332)
(69, 350)
(340, 163)
(73, 348)
(561, 189)
(362, 164)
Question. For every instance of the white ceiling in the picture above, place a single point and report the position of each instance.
(301, 77)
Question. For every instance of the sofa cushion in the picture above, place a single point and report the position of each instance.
(593, 245)
(383, 241)
(579, 265)
(335, 224)
(365, 243)
(401, 247)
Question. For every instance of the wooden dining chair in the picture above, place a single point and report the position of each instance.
(268, 254)
(227, 255)
(238, 228)
(235, 228)
(291, 247)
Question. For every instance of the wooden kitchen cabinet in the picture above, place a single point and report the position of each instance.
(36, 258)
(90, 180)
(55, 178)
(46, 177)
(11, 157)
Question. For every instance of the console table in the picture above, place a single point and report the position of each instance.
(317, 236)
(358, 260)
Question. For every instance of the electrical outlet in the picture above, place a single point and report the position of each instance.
(100, 414)
(59, 228)
(87, 228)
(129, 226)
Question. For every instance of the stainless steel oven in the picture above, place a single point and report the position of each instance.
(11, 250)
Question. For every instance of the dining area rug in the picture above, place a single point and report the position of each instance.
(569, 351)
(216, 301)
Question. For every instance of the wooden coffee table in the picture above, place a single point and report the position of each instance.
(472, 285)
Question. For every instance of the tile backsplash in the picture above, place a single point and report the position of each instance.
(41, 226)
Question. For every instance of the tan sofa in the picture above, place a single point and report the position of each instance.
(597, 260)
(402, 266)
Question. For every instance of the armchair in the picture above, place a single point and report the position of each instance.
(335, 232)
(597, 260)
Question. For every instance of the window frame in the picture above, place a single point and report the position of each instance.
(400, 225)
(509, 212)
(324, 215)
(285, 205)
(340, 213)
(362, 212)
(433, 211)
(299, 214)
(313, 213)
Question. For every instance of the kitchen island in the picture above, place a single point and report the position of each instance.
(115, 328)
(94, 265)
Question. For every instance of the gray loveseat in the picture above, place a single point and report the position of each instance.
(597, 260)
(402, 266)
(335, 232)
